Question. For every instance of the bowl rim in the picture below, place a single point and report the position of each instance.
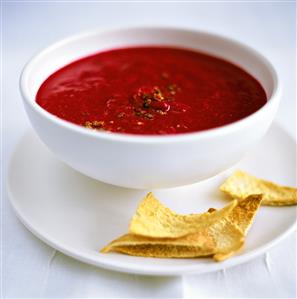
(139, 138)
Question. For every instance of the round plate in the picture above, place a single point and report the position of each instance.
(78, 215)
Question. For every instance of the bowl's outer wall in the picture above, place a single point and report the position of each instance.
(146, 165)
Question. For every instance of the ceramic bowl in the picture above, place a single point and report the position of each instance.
(148, 162)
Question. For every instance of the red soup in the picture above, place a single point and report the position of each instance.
(151, 90)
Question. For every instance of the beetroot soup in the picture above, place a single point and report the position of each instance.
(151, 90)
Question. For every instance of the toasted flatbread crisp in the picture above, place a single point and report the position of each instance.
(245, 211)
(241, 185)
(221, 239)
(216, 233)
(153, 219)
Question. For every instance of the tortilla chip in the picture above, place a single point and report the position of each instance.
(220, 238)
(245, 211)
(203, 243)
(216, 233)
(169, 251)
(241, 185)
(153, 219)
(161, 251)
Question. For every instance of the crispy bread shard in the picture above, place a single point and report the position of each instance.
(245, 211)
(157, 231)
(242, 184)
(218, 240)
(153, 219)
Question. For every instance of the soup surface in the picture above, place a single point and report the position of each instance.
(151, 90)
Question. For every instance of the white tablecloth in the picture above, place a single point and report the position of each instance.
(31, 268)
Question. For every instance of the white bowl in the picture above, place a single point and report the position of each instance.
(146, 162)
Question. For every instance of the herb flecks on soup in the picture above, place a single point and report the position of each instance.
(151, 90)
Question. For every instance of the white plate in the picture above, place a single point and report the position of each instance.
(78, 215)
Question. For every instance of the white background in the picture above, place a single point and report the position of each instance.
(31, 268)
